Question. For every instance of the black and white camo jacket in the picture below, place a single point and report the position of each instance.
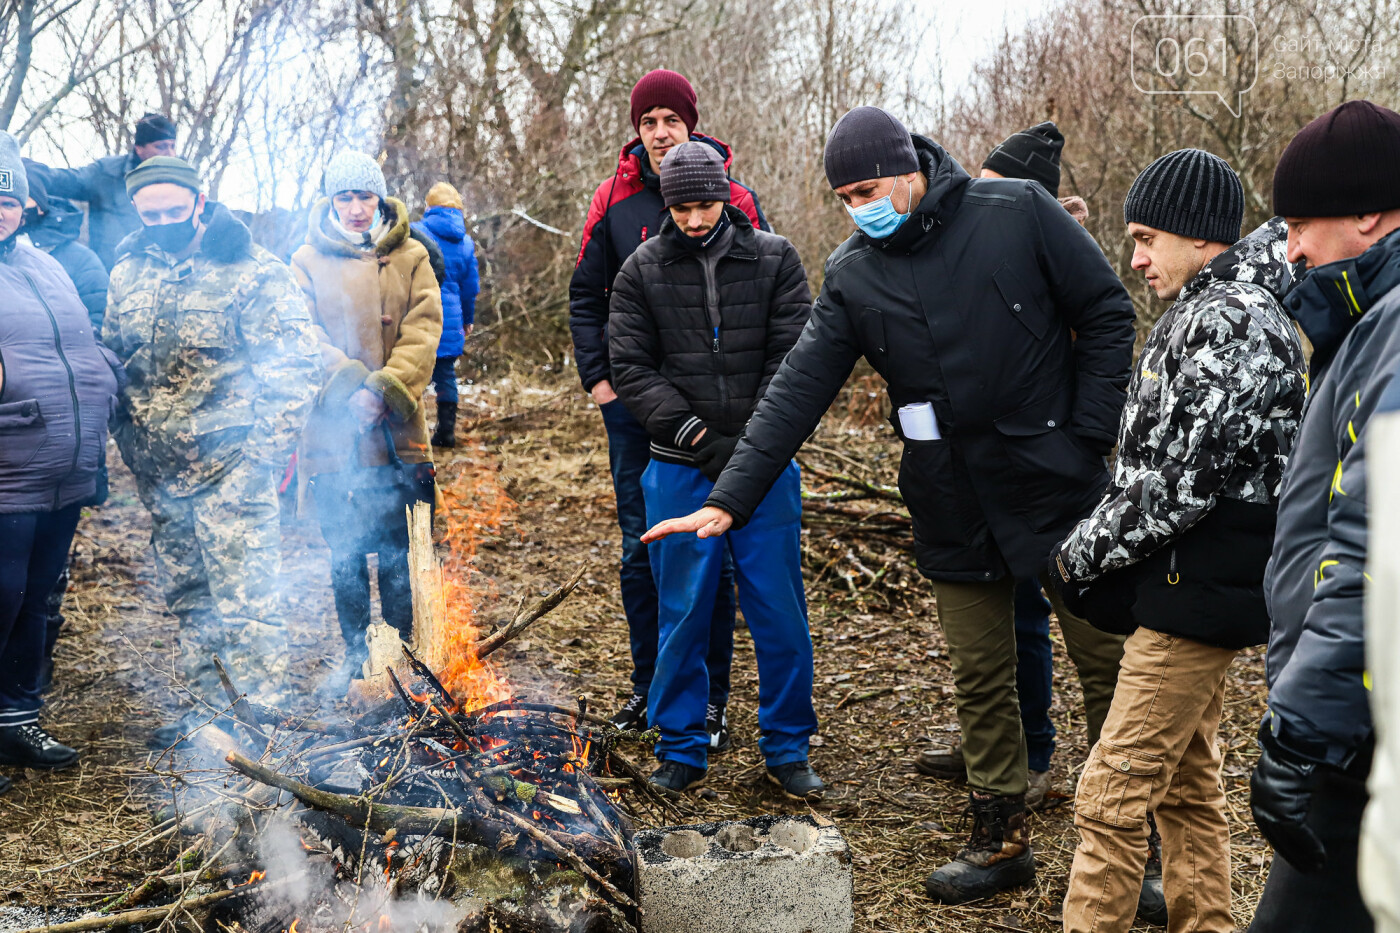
(1213, 408)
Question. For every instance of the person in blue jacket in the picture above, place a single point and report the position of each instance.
(444, 223)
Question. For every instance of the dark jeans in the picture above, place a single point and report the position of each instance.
(1034, 672)
(629, 452)
(1329, 899)
(445, 379)
(33, 549)
(352, 533)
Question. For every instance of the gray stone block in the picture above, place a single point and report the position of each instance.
(768, 874)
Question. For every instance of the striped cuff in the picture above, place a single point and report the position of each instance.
(18, 717)
(685, 434)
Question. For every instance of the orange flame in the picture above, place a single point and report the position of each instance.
(386, 922)
(293, 927)
(476, 505)
(255, 877)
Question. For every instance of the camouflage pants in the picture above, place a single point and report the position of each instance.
(219, 551)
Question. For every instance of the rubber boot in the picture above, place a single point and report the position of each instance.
(997, 858)
(445, 434)
(1152, 900)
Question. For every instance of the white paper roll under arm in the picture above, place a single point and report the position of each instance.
(918, 422)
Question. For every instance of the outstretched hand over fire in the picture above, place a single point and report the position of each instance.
(709, 522)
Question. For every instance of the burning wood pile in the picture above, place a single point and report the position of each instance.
(419, 814)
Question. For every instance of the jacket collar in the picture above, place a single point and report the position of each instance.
(226, 239)
(331, 244)
(947, 182)
(61, 223)
(632, 162)
(1329, 300)
(1260, 258)
(743, 246)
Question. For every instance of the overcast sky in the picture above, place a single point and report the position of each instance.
(965, 31)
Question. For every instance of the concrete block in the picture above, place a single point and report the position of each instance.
(768, 874)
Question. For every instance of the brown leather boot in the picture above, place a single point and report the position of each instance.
(997, 858)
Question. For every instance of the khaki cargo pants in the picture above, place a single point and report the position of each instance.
(979, 626)
(1157, 754)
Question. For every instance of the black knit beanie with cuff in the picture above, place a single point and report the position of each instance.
(1191, 193)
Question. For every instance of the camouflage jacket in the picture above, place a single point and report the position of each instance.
(1213, 408)
(220, 355)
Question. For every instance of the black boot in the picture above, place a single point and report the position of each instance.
(445, 434)
(997, 857)
(29, 746)
(1152, 901)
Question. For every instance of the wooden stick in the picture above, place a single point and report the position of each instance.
(246, 718)
(156, 914)
(522, 621)
(539, 835)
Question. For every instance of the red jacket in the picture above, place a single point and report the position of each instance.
(626, 210)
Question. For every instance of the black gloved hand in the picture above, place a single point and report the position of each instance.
(1280, 795)
(713, 452)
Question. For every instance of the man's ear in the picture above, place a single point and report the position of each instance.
(1365, 223)
(199, 203)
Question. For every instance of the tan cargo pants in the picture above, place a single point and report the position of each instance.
(1157, 754)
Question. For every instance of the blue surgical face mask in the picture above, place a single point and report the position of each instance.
(879, 219)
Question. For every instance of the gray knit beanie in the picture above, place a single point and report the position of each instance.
(693, 171)
(354, 171)
(14, 182)
(1190, 193)
(868, 143)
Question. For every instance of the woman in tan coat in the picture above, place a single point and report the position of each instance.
(365, 454)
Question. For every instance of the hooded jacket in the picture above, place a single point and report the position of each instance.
(378, 319)
(696, 336)
(460, 282)
(57, 234)
(219, 353)
(1213, 409)
(969, 305)
(626, 211)
(1318, 702)
(102, 186)
(57, 389)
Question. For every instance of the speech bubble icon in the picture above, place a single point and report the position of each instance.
(1212, 54)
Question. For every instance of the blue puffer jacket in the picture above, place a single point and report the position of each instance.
(58, 390)
(449, 230)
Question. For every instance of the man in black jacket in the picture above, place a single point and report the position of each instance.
(627, 210)
(701, 317)
(1336, 186)
(963, 294)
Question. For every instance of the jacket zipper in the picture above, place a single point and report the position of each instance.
(72, 384)
(714, 346)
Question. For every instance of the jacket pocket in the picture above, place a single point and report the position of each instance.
(1020, 301)
(1053, 477)
(927, 482)
(22, 433)
(1116, 786)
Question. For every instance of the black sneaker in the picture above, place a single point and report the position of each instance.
(633, 715)
(798, 780)
(717, 725)
(31, 747)
(1152, 901)
(676, 776)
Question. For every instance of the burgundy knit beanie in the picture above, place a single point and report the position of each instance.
(1341, 163)
(662, 88)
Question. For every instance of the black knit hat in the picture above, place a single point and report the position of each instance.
(1341, 163)
(868, 143)
(1190, 193)
(154, 127)
(693, 171)
(1032, 154)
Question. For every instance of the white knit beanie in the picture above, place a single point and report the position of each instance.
(354, 171)
(13, 180)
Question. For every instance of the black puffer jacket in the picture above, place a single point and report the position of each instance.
(686, 356)
(969, 306)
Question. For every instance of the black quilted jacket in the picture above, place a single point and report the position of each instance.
(686, 356)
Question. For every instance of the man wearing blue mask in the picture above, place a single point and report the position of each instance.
(963, 294)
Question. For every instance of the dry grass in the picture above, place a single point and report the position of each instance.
(552, 456)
